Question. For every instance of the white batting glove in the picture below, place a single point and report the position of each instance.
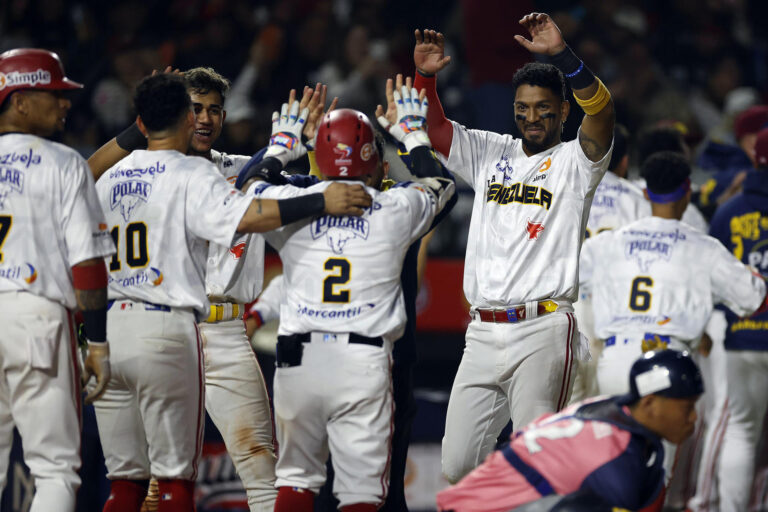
(411, 126)
(96, 364)
(285, 142)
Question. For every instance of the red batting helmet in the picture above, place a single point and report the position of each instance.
(345, 144)
(32, 68)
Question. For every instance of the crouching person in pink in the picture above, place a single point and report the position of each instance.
(608, 446)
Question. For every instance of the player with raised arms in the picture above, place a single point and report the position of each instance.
(52, 242)
(164, 207)
(531, 205)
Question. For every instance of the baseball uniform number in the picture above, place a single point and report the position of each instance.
(342, 270)
(639, 299)
(555, 431)
(5, 227)
(136, 253)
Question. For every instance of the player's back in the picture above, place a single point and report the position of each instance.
(49, 217)
(342, 274)
(659, 276)
(161, 208)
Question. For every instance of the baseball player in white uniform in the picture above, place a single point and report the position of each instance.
(236, 396)
(532, 199)
(655, 281)
(52, 241)
(162, 208)
(341, 312)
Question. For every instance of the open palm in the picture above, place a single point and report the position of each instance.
(429, 52)
(545, 36)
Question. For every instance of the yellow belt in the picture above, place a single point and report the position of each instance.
(224, 311)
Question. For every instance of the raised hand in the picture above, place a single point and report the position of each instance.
(285, 142)
(406, 116)
(314, 100)
(429, 52)
(545, 36)
(343, 199)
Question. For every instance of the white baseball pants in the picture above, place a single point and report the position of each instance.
(519, 370)
(339, 397)
(40, 394)
(236, 400)
(150, 418)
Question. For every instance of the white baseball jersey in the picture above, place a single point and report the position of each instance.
(617, 202)
(235, 272)
(528, 218)
(146, 198)
(342, 274)
(50, 218)
(663, 276)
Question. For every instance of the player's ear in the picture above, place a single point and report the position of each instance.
(223, 116)
(565, 109)
(142, 128)
(385, 165)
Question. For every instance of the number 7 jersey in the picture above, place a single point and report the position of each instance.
(342, 274)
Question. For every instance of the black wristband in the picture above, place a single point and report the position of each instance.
(298, 208)
(425, 75)
(95, 322)
(574, 69)
(131, 138)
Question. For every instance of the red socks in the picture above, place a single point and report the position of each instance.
(176, 496)
(293, 499)
(360, 507)
(126, 495)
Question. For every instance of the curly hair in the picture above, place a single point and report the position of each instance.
(541, 75)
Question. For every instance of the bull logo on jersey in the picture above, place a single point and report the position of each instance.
(237, 250)
(534, 229)
(339, 230)
(127, 195)
(11, 180)
(647, 252)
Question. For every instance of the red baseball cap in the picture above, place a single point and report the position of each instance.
(761, 148)
(750, 121)
(32, 68)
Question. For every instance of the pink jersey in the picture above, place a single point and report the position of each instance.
(593, 445)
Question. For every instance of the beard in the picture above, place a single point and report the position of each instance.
(549, 140)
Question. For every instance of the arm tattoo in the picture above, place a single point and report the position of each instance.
(594, 150)
(88, 300)
(258, 204)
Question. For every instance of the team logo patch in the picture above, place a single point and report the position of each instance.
(343, 154)
(647, 252)
(151, 276)
(30, 79)
(11, 181)
(533, 229)
(366, 151)
(127, 195)
(546, 165)
(504, 168)
(285, 139)
(237, 250)
(339, 230)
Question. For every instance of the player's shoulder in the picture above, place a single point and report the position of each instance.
(30, 150)
(504, 140)
(229, 165)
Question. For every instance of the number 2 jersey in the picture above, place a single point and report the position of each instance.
(528, 219)
(342, 274)
(50, 218)
(663, 276)
(162, 208)
(594, 445)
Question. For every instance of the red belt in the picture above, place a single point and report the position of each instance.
(515, 313)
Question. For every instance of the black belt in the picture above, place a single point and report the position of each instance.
(290, 348)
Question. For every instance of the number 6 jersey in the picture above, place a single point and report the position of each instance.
(662, 276)
(342, 274)
(162, 208)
